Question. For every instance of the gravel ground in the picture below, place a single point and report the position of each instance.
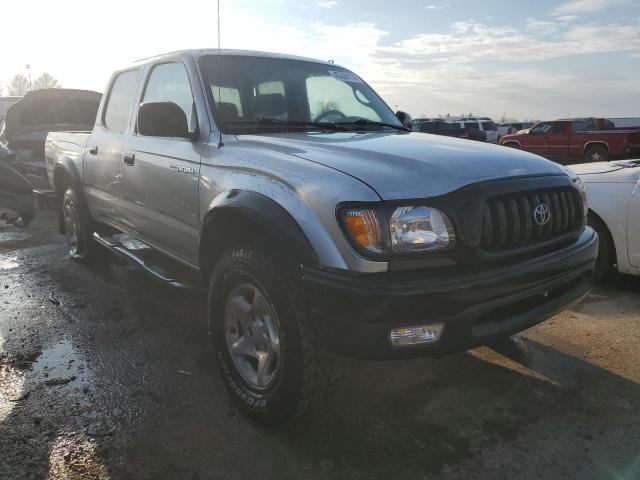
(105, 374)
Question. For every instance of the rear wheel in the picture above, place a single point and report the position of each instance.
(597, 153)
(264, 350)
(77, 226)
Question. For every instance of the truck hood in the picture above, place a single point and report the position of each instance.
(399, 165)
(50, 110)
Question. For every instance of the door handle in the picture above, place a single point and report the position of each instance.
(129, 159)
(93, 151)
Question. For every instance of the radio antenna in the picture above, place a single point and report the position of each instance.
(220, 144)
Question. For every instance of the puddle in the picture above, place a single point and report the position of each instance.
(60, 364)
(13, 236)
(8, 263)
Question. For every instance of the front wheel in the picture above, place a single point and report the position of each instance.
(264, 351)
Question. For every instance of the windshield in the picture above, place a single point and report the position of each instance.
(250, 90)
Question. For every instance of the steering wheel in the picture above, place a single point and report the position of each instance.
(328, 113)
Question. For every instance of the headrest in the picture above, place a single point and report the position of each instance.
(228, 111)
(271, 105)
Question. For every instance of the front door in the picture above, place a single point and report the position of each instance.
(557, 140)
(633, 227)
(536, 140)
(104, 149)
(161, 174)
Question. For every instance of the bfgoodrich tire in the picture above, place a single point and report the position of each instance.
(78, 227)
(265, 352)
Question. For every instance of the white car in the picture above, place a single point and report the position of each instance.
(613, 192)
(484, 124)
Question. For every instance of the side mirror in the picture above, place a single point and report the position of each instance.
(162, 119)
(405, 119)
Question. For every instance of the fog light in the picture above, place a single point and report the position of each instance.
(407, 336)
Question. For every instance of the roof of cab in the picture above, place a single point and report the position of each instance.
(197, 53)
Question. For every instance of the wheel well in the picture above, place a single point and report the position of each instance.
(594, 218)
(595, 144)
(511, 142)
(234, 226)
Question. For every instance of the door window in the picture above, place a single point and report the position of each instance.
(559, 128)
(118, 106)
(541, 128)
(169, 82)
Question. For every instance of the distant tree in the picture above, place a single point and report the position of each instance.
(45, 81)
(19, 86)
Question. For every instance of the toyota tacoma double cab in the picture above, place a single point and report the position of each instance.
(317, 221)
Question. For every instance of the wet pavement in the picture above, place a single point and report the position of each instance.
(106, 374)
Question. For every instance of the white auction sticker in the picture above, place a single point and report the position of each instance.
(345, 76)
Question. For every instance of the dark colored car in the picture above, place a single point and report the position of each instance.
(26, 124)
(439, 127)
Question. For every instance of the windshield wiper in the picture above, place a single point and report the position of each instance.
(366, 123)
(268, 122)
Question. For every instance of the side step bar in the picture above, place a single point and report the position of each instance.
(139, 262)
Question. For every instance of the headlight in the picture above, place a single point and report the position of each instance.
(405, 230)
(420, 229)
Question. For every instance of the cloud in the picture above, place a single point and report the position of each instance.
(436, 6)
(327, 3)
(585, 6)
(472, 41)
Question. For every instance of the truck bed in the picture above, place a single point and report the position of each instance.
(69, 146)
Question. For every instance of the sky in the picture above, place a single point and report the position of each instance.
(523, 59)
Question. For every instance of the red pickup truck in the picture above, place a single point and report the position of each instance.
(595, 140)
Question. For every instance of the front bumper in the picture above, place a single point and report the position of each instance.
(354, 313)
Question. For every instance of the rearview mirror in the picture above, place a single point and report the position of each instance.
(405, 119)
(162, 119)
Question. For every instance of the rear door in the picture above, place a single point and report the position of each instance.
(557, 140)
(161, 174)
(104, 152)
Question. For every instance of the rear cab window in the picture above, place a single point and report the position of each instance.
(119, 100)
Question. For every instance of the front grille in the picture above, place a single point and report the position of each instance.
(509, 221)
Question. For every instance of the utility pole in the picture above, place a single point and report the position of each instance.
(29, 73)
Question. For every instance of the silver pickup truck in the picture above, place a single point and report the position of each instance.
(316, 220)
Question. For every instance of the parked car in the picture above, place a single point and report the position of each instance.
(5, 103)
(316, 227)
(484, 124)
(567, 139)
(26, 124)
(440, 127)
(417, 122)
(614, 212)
(18, 203)
(511, 128)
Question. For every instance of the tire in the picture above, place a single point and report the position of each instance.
(78, 227)
(597, 153)
(267, 356)
(606, 250)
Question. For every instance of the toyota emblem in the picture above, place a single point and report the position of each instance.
(541, 214)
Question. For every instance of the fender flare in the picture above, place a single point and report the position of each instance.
(69, 169)
(261, 211)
